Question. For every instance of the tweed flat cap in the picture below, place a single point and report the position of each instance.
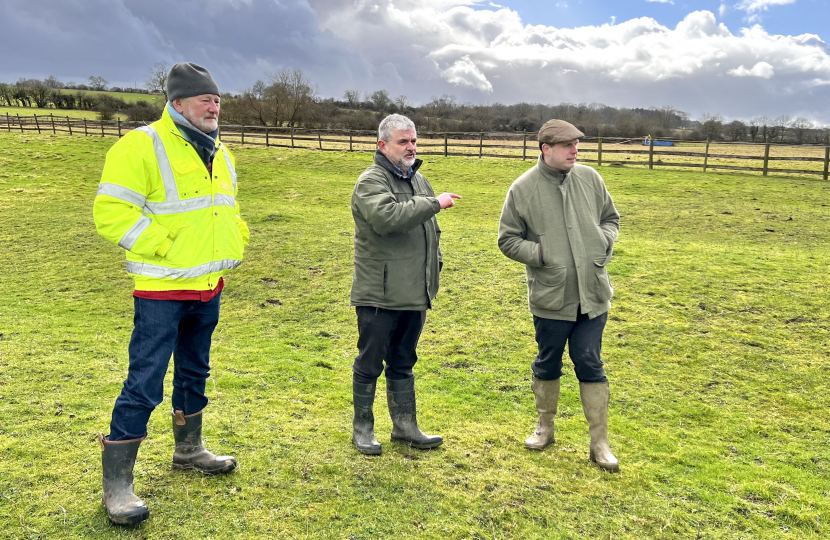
(555, 131)
(187, 79)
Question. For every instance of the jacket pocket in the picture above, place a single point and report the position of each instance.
(547, 290)
(601, 291)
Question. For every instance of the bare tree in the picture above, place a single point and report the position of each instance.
(668, 116)
(352, 97)
(380, 100)
(401, 103)
(97, 83)
(736, 130)
(296, 94)
(52, 82)
(781, 124)
(800, 127)
(156, 82)
(711, 126)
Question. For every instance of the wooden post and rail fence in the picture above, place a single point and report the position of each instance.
(607, 151)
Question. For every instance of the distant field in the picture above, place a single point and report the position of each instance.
(29, 111)
(155, 99)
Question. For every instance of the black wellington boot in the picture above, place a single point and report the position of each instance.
(400, 394)
(118, 460)
(190, 454)
(363, 435)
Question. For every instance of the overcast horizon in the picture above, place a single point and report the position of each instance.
(740, 59)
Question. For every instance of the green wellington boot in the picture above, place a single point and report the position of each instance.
(400, 395)
(547, 398)
(595, 398)
(363, 434)
(118, 460)
(190, 454)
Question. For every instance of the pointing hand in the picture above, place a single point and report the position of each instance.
(446, 200)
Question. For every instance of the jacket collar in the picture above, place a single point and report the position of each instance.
(552, 174)
(206, 144)
(383, 161)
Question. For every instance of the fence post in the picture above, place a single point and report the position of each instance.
(267, 140)
(86, 131)
(706, 155)
(826, 161)
(524, 147)
(119, 127)
(19, 122)
(445, 145)
(480, 143)
(37, 124)
(766, 158)
(242, 131)
(350, 140)
(102, 127)
(52, 118)
(319, 140)
(599, 151)
(291, 130)
(69, 125)
(651, 153)
(8, 122)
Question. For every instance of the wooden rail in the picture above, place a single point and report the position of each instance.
(608, 151)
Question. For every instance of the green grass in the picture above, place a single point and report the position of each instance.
(58, 113)
(716, 349)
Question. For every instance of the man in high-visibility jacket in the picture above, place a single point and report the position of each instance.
(168, 196)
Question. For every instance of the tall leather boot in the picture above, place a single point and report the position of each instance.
(118, 460)
(190, 453)
(547, 398)
(595, 398)
(400, 395)
(363, 434)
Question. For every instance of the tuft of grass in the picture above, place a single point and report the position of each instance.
(716, 348)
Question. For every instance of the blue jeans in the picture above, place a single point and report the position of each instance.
(390, 335)
(584, 339)
(181, 328)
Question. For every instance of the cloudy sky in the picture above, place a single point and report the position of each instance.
(738, 58)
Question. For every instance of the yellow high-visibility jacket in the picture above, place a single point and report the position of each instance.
(180, 226)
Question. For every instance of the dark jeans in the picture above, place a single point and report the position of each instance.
(386, 334)
(182, 328)
(584, 338)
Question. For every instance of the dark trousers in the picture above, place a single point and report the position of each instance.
(182, 328)
(390, 335)
(584, 338)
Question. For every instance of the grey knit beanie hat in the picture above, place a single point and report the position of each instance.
(187, 79)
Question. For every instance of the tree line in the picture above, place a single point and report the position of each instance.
(289, 98)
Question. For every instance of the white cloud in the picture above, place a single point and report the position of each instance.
(751, 6)
(761, 69)
(464, 72)
(661, 1)
(722, 10)
(699, 65)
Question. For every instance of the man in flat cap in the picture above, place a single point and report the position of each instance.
(559, 220)
(168, 197)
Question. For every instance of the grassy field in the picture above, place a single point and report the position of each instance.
(59, 113)
(716, 349)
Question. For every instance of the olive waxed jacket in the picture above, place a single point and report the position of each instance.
(397, 257)
(563, 228)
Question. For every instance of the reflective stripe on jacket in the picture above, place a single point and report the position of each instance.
(180, 227)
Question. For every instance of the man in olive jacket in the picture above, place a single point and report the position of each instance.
(559, 220)
(396, 264)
